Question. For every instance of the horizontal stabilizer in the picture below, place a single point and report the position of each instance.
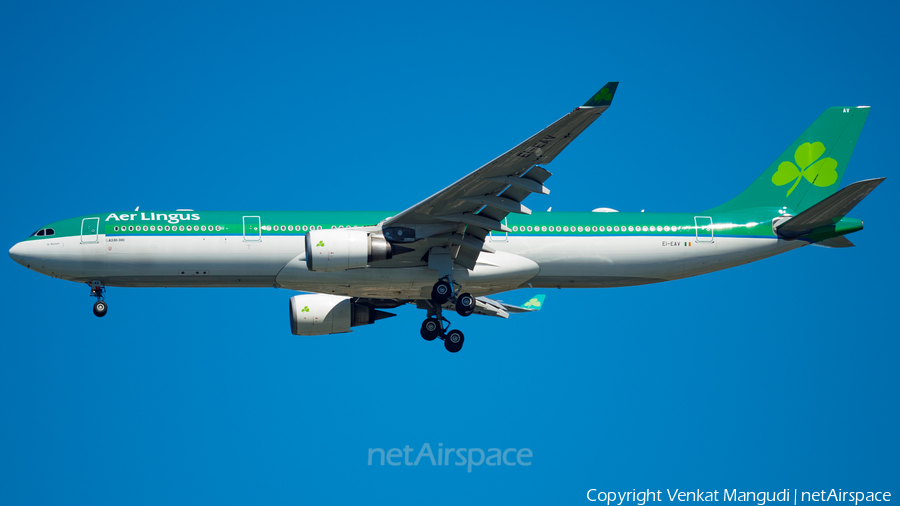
(533, 304)
(491, 307)
(829, 211)
(835, 242)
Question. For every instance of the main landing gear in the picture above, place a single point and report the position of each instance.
(433, 326)
(100, 307)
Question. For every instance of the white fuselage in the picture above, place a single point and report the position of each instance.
(279, 261)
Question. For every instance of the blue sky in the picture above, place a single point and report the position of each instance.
(779, 374)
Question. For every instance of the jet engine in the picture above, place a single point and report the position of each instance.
(318, 314)
(343, 248)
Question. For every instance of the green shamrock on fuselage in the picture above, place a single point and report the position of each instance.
(822, 173)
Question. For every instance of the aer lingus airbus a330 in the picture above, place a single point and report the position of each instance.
(466, 242)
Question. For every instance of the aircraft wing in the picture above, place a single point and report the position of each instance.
(464, 213)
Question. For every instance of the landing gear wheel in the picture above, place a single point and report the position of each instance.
(431, 328)
(465, 304)
(453, 341)
(100, 308)
(441, 292)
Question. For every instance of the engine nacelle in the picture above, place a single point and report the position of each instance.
(318, 314)
(344, 248)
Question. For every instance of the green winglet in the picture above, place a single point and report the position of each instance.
(604, 96)
(535, 303)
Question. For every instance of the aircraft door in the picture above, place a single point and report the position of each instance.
(499, 236)
(90, 230)
(252, 229)
(704, 228)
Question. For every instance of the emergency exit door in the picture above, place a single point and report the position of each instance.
(90, 230)
(704, 227)
(252, 228)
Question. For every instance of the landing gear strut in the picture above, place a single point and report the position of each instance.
(447, 290)
(97, 290)
(434, 326)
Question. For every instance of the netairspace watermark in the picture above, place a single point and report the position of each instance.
(642, 497)
(469, 457)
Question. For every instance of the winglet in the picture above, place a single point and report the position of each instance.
(535, 303)
(604, 96)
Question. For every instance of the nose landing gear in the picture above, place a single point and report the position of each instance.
(97, 290)
(100, 308)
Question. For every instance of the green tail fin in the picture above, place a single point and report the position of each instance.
(811, 169)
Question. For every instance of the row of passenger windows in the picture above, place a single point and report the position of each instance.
(292, 228)
(644, 228)
(304, 228)
(167, 228)
(211, 228)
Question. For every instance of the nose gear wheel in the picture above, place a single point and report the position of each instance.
(97, 291)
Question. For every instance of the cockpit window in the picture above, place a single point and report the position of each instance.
(43, 232)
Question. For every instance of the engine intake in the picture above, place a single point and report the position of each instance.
(341, 249)
(319, 314)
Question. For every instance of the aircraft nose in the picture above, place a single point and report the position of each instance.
(17, 253)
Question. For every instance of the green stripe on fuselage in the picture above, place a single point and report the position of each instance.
(757, 223)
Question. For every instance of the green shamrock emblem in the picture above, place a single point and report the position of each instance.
(603, 95)
(321, 244)
(305, 309)
(534, 302)
(822, 173)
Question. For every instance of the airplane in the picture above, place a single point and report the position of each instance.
(471, 240)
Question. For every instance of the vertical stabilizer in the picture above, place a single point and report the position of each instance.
(810, 169)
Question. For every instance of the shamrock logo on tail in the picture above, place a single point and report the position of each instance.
(603, 95)
(821, 173)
